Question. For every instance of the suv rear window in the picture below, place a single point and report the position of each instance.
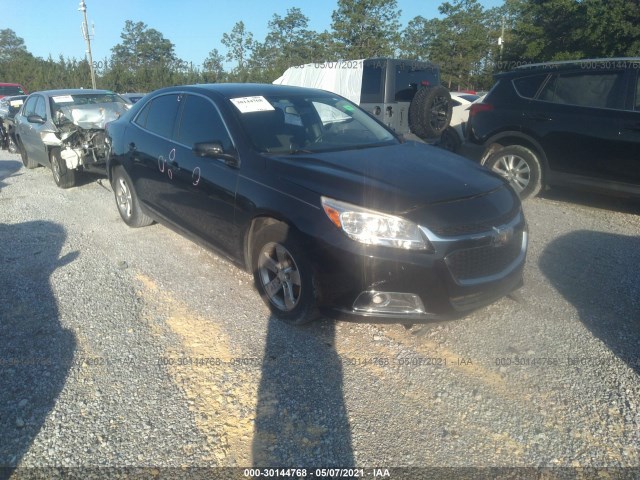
(527, 87)
(599, 89)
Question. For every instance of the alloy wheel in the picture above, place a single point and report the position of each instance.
(515, 169)
(280, 276)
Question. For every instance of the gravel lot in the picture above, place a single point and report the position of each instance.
(122, 347)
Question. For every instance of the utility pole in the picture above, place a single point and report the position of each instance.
(85, 33)
(501, 40)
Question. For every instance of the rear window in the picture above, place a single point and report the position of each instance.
(6, 90)
(527, 87)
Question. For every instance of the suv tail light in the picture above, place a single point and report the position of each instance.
(479, 107)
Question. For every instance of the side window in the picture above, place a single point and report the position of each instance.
(40, 108)
(372, 82)
(527, 87)
(637, 102)
(30, 106)
(162, 114)
(599, 90)
(141, 119)
(201, 122)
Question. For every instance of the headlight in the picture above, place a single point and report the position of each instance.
(374, 228)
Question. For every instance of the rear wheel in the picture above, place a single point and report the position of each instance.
(283, 275)
(520, 166)
(127, 199)
(12, 147)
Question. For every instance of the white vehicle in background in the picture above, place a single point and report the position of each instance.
(405, 95)
(453, 136)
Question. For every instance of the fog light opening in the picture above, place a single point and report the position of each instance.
(389, 303)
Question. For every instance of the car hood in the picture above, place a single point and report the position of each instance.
(395, 179)
(93, 116)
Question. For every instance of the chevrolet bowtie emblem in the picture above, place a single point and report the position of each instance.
(501, 236)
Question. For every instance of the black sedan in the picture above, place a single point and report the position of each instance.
(331, 211)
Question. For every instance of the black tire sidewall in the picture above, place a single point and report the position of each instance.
(306, 310)
(535, 169)
(420, 112)
(67, 177)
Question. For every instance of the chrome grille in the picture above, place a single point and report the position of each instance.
(484, 261)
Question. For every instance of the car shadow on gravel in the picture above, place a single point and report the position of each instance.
(594, 200)
(301, 418)
(8, 168)
(598, 274)
(36, 352)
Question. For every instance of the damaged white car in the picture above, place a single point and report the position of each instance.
(64, 129)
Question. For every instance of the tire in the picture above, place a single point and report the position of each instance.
(26, 161)
(127, 200)
(12, 147)
(430, 112)
(63, 176)
(449, 140)
(278, 261)
(520, 166)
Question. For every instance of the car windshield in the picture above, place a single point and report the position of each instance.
(307, 124)
(10, 90)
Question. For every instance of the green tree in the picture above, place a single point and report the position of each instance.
(239, 43)
(11, 46)
(288, 42)
(461, 43)
(365, 28)
(545, 30)
(212, 68)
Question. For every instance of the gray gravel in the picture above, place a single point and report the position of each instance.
(124, 347)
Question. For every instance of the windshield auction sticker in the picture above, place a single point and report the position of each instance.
(63, 99)
(252, 104)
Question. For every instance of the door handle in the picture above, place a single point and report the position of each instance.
(132, 147)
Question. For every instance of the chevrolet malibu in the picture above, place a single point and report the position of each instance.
(331, 211)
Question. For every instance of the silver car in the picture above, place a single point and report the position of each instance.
(64, 129)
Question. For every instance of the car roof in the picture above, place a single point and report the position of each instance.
(72, 91)
(609, 63)
(234, 90)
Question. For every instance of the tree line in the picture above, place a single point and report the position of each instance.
(463, 41)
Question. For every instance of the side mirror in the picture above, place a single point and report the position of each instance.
(214, 150)
(35, 119)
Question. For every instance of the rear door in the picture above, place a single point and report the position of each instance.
(628, 164)
(150, 151)
(577, 118)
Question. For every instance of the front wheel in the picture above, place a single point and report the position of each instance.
(520, 166)
(63, 176)
(127, 199)
(283, 275)
(26, 161)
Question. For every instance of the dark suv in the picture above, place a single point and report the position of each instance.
(571, 123)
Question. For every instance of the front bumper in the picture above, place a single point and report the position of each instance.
(463, 273)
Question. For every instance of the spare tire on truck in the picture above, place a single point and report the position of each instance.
(430, 112)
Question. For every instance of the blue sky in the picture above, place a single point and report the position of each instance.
(194, 26)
